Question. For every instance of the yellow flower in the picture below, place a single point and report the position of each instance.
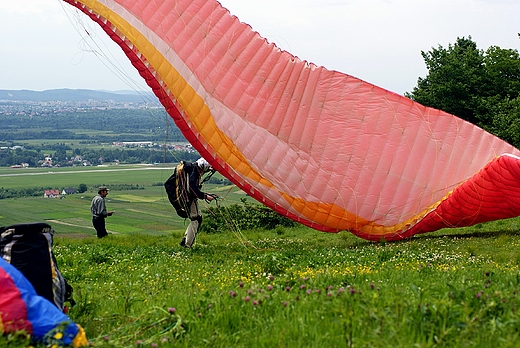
(58, 335)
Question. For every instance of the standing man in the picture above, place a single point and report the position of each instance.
(99, 212)
(194, 174)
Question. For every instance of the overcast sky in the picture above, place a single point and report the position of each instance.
(43, 43)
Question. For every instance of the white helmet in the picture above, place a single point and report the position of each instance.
(203, 164)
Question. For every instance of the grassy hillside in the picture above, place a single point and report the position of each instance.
(289, 287)
(295, 288)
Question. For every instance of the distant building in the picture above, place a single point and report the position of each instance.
(51, 194)
(47, 162)
(69, 191)
(133, 143)
(23, 165)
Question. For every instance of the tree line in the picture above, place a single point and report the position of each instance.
(108, 125)
(66, 156)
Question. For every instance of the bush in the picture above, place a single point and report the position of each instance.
(247, 216)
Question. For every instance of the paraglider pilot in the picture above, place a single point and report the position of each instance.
(194, 174)
(99, 212)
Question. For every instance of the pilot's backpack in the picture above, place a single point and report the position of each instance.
(177, 189)
(28, 247)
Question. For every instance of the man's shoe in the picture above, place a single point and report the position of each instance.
(183, 242)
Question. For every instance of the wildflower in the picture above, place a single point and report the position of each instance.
(288, 289)
(284, 304)
(106, 338)
(58, 335)
(340, 290)
(269, 287)
(241, 284)
(302, 286)
(271, 278)
(154, 345)
(171, 310)
(232, 293)
(249, 291)
(254, 302)
(309, 292)
(247, 298)
(139, 342)
(352, 291)
(371, 285)
(164, 340)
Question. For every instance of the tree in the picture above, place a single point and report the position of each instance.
(455, 75)
(82, 188)
(506, 120)
(481, 87)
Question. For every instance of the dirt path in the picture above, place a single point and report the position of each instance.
(85, 171)
(73, 225)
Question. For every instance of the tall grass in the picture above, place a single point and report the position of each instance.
(296, 288)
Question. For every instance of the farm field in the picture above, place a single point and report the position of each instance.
(143, 209)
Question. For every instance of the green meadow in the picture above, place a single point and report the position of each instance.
(287, 287)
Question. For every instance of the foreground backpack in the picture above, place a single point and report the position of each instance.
(177, 189)
(28, 247)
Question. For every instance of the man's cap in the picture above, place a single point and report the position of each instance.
(103, 188)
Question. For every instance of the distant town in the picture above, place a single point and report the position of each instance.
(38, 103)
(62, 128)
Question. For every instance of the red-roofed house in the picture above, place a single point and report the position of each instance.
(51, 194)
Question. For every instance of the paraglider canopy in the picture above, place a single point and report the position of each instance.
(322, 147)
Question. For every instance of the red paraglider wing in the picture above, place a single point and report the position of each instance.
(322, 147)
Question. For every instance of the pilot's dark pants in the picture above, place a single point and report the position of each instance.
(99, 225)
